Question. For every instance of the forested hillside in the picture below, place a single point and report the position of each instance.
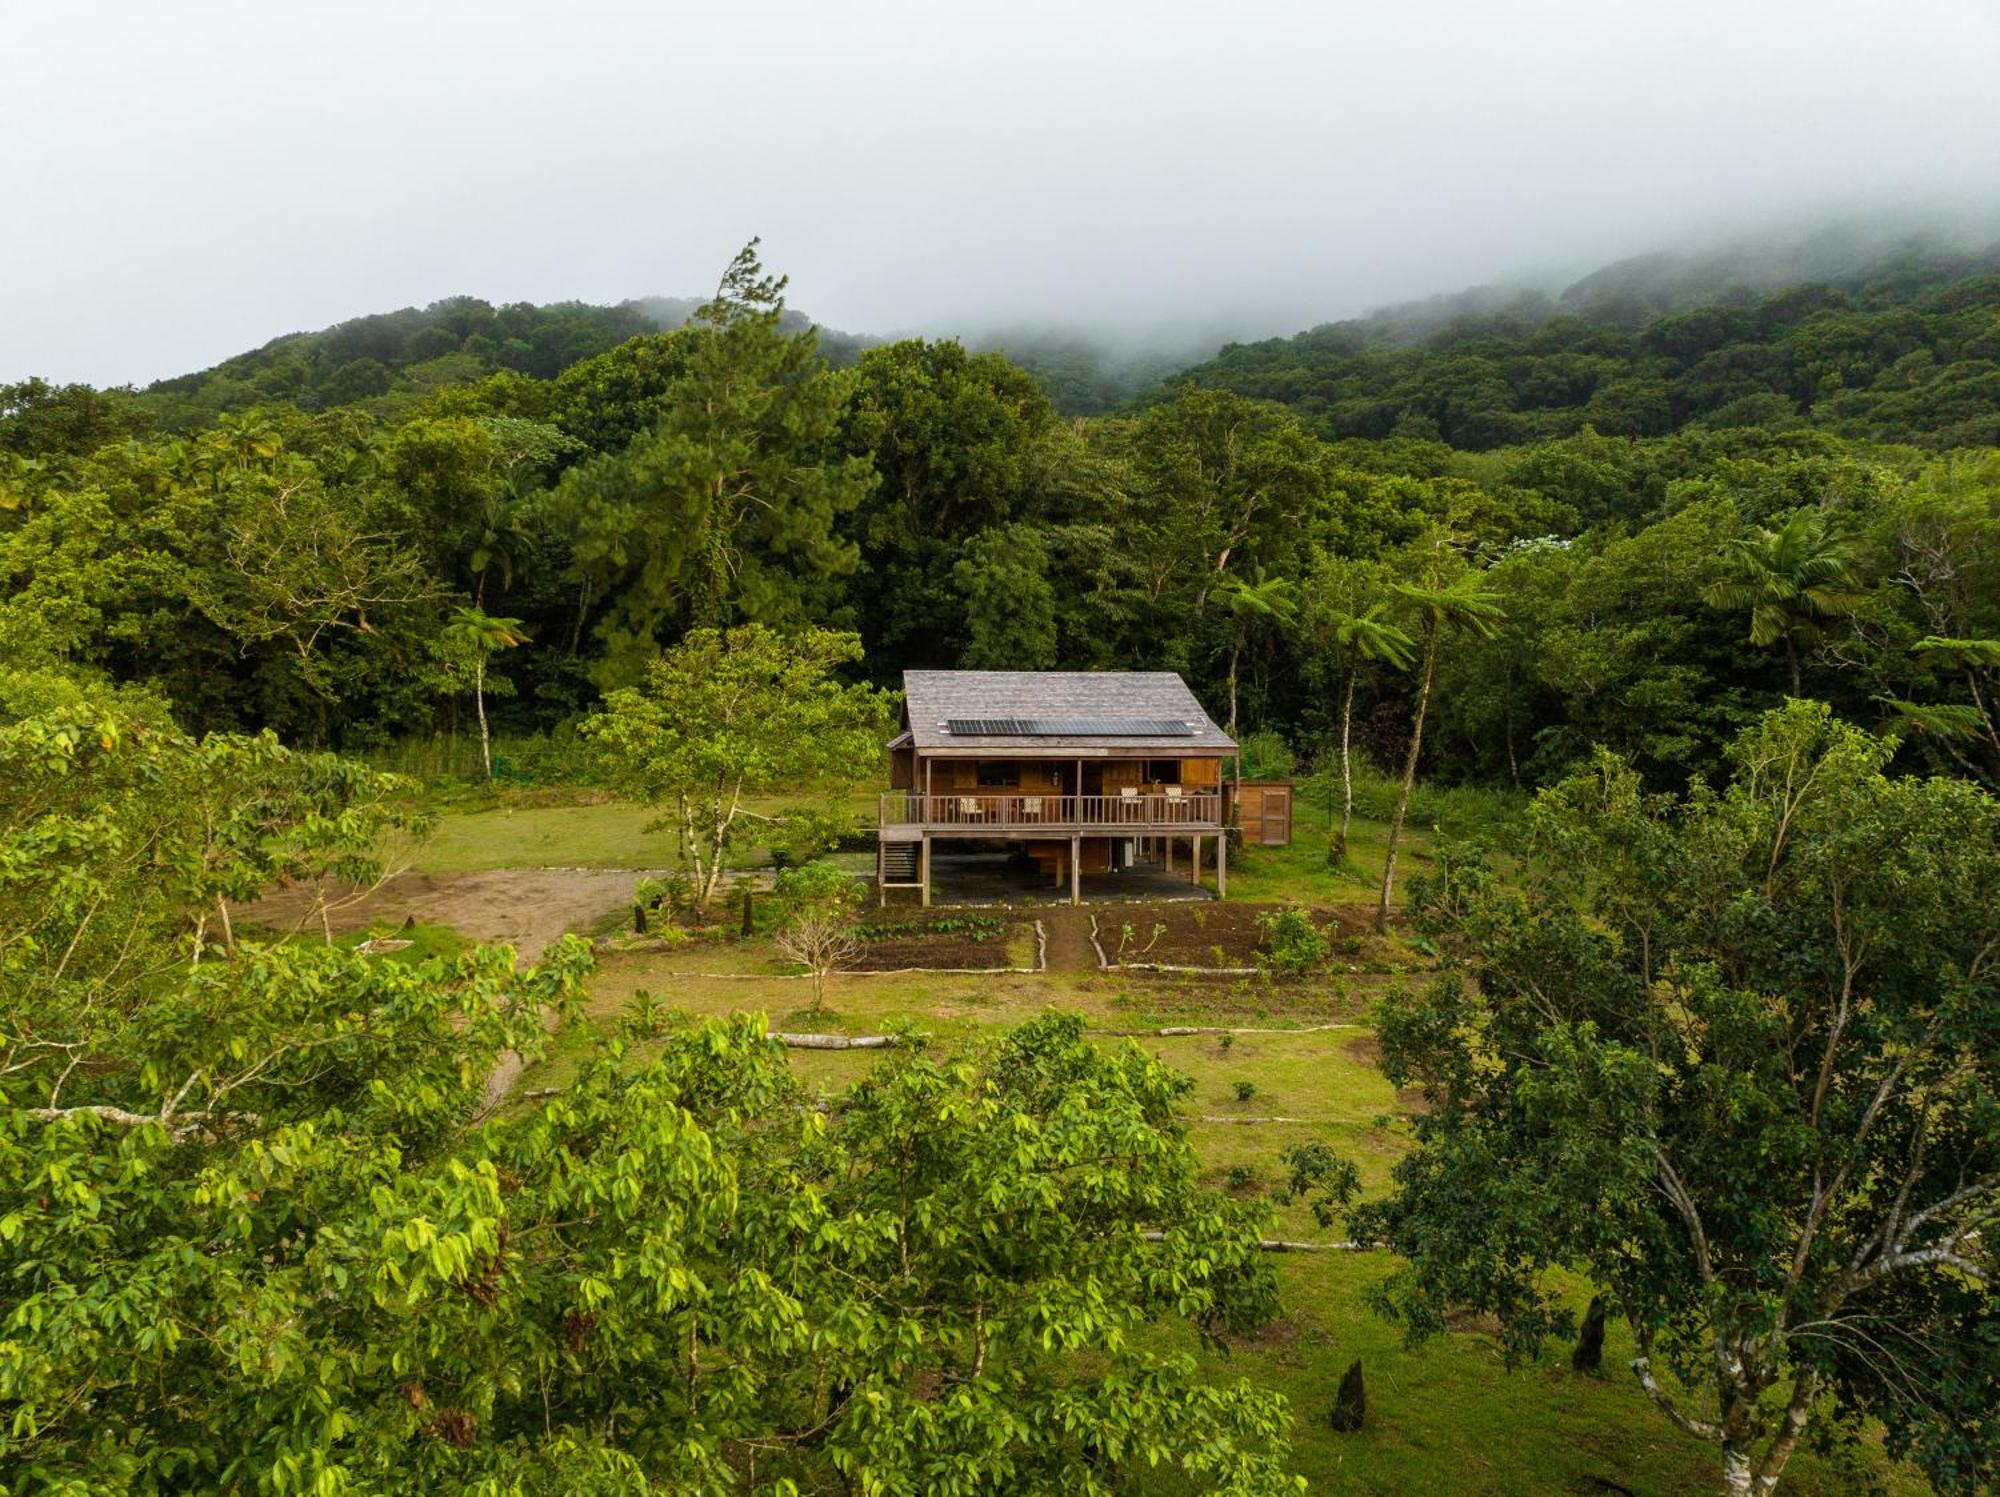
(388, 363)
(295, 564)
(1903, 349)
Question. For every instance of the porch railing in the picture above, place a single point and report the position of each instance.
(1140, 813)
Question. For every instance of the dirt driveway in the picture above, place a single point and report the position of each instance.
(528, 908)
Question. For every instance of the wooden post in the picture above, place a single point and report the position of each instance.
(1222, 866)
(881, 871)
(1194, 877)
(1076, 869)
(924, 866)
(1170, 852)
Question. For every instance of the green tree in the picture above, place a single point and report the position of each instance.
(1260, 600)
(817, 927)
(1218, 486)
(1451, 600)
(1357, 637)
(125, 835)
(1008, 601)
(1978, 663)
(726, 510)
(469, 479)
(1791, 578)
(728, 714)
(967, 446)
(261, 573)
(685, 1273)
(38, 419)
(1730, 1057)
(477, 637)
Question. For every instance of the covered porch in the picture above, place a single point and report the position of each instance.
(976, 874)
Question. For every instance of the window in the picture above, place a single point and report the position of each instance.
(1163, 771)
(995, 774)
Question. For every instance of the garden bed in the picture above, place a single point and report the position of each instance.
(1222, 937)
(953, 941)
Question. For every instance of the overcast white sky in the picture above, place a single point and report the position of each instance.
(183, 181)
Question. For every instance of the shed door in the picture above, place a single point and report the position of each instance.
(1277, 815)
(1265, 814)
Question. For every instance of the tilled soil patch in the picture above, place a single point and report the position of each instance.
(924, 944)
(526, 907)
(1206, 935)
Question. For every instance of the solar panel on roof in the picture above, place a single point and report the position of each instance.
(1067, 727)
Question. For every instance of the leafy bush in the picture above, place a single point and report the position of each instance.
(1266, 755)
(1245, 1090)
(816, 884)
(1292, 943)
(1456, 808)
(803, 833)
(556, 757)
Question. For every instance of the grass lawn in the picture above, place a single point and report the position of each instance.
(588, 834)
(540, 830)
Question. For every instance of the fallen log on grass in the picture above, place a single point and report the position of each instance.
(1187, 971)
(1175, 1031)
(833, 1041)
(1282, 1245)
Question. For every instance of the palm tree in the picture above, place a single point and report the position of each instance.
(1359, 640)
(1465, 604)
(247, 437)
(1265, 598)
(1789, 579)
(478, 636)
(1979, 660)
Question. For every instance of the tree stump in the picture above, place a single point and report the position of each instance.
(638, 918)
(1589, 1353)
(749, 924)
(1350, 1404)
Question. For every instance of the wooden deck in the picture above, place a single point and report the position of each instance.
(911, 813)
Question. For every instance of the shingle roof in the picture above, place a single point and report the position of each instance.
(934, 698)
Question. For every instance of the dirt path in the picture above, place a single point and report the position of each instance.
(528, 908)
(1068, 927)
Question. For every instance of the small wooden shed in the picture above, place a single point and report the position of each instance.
(1264, 812)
